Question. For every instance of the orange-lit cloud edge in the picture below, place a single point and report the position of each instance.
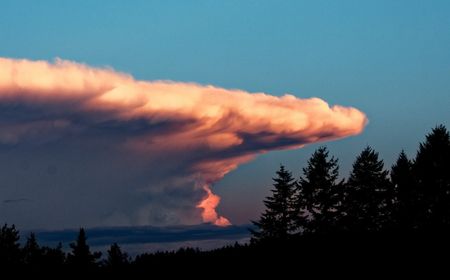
(229, 127)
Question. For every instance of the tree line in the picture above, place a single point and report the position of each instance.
(80, 258)
(34, 256)
(412, 198)
(311, 216)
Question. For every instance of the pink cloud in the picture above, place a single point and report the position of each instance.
(212, 130)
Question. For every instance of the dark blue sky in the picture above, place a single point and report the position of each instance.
(390, 59)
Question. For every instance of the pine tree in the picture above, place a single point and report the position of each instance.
(10, 254)
(369, 194)
(319, 194)
(432, 170)
(278, 220)
(405, 193)
(32, 252)
(116, 258)
(81, 255)
(53, 257)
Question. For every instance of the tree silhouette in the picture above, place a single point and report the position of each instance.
(406, 194)
(10, 254)
(32, 252)
(53, 257)
(432, 172)
(319, 193)
(369, 194)
(81, 255)
(278, 220)
(116, 259)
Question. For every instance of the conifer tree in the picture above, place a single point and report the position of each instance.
(116, 258)
(278, 220)
(10, 254)
(369, 194)
(81, 255)
(54, 257)
(32, 252)
(405, 193)
(319, 194)
(432, 172)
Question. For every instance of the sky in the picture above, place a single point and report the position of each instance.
(387, 59)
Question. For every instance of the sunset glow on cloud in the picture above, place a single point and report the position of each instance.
(204, 131)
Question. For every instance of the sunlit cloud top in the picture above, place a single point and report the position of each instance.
(205, 131)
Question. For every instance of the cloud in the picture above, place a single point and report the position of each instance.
(15, 200)
(178, 137)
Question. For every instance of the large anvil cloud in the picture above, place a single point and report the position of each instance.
(180, 137)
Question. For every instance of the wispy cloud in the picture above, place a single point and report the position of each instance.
(15, 200)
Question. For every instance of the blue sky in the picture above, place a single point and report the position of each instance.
(390, 59)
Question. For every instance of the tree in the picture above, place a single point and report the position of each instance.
(116, 258)
(432, 172)
(406, 194)
(278, 220)
(10, 254)
(81, 255)
(32, 252)
(369, 194)
(319, 194)
(53, 257)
